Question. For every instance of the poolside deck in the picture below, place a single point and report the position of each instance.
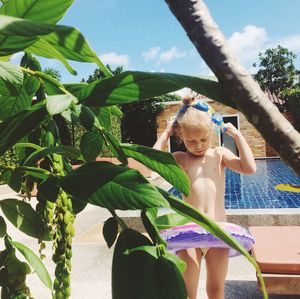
(92, 261)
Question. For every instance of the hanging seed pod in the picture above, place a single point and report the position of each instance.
(13, 274)
(64, 231)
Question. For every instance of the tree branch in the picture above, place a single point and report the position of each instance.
(235, 80)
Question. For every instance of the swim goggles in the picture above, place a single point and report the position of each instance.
(216, 117)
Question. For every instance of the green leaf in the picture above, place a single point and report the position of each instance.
(74, 46)
(161, 162)
(66, 151)
(181, 265)
(150, 249)
(13, 179)
(58, 103)
(134, 275)
(78, 205)
(36, 172)
(10, 104)
(170, 220)
(25, 218)
(148, 218)
(115, 147)
(87, 117)
(141, 274)
(38, 10)
(153, 251)
(104, 117)
(171, 283)
(116, 111)
(110, 231)
(11, 73)
(48, 189)
(35, 263)
(91, 144)
(45, 49)
(111, 186)
(2, 228)
(19, 125)
(28, 144)
(17, 34)
(133, 86)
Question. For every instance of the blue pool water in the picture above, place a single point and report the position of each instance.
(257, 191)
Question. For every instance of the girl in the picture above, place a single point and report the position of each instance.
(205, 168)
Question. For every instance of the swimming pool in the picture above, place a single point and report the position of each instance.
(257, 191)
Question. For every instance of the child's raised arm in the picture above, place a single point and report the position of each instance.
(245, 163)
(165, 135)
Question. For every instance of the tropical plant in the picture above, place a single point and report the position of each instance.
(142, 268)
(276, 72)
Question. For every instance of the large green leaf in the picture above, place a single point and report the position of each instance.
(142, 274)
(10, 105)
(48, 190)
(170, 220)
(11, 73)
(66, 151)
(37, 10)
(45, 49)
(35, 263)
(111, 186)
(13, 179)
(91, 145)
(161, 162)
(19, 125)
(114, 146)
(25, 218)
(36, 172)
(133, 86)
(59, 103)
(85, 116)
(17, 34)
(211, 226)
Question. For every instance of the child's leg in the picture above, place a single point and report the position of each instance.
(216, 267)
(192, 257)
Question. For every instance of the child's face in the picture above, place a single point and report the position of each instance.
(196, 139)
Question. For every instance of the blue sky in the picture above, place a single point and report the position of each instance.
(144, 35)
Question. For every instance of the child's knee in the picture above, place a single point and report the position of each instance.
(215, 291)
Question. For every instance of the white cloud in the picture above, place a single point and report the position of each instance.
(152, 53)
(170, 55)
(114, 59)
(292, 43)
(160, 57)
(249, 43)
(254, 40)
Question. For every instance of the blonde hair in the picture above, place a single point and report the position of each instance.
(191, 117)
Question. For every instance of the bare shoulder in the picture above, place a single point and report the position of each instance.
(218, 151)
(179, 157)
(223, 151)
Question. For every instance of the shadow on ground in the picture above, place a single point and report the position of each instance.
(237, 289)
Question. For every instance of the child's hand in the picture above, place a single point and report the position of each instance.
(170, 127)
(231, 130)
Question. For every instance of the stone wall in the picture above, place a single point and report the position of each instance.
(252, 136)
